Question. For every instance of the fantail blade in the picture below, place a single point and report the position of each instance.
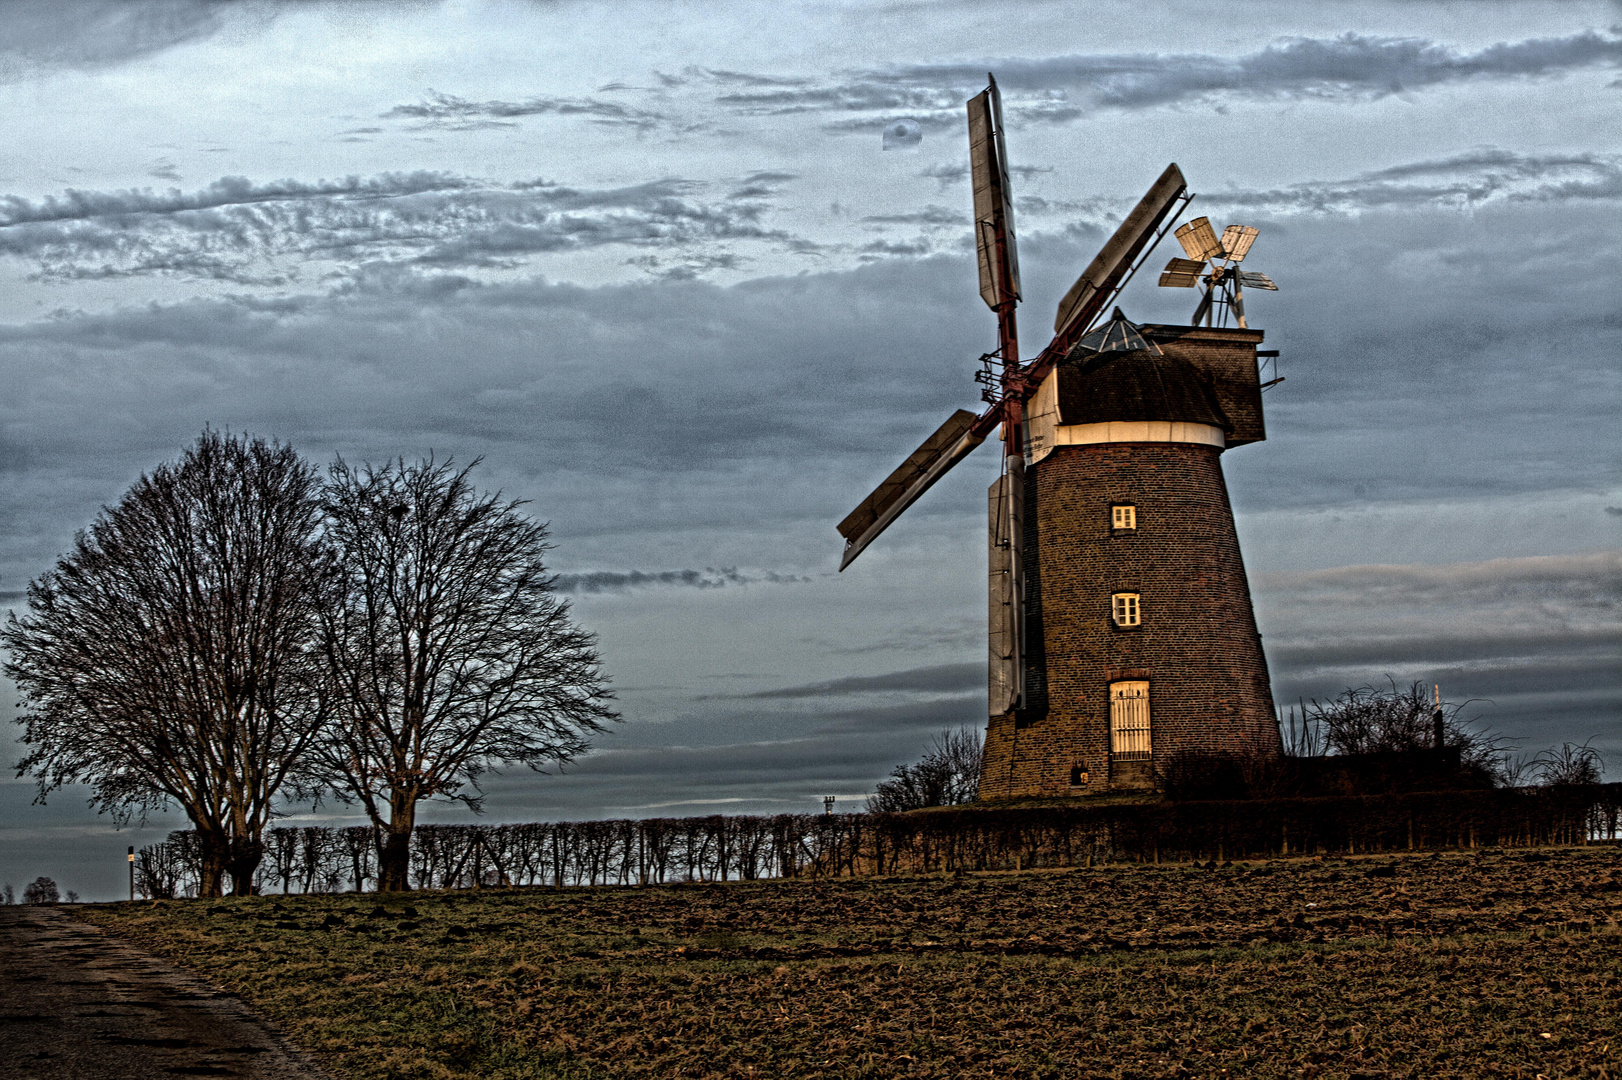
(1199, 239)
(1236, 240)
(1182, 274)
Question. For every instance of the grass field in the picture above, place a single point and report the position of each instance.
(1480, 964)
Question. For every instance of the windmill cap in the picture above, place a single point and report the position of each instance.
(1113, 374)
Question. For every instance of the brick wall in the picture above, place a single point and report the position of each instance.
(1197, 646)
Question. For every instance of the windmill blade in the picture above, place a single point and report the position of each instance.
(1182, 274)
(993, 200)
(1098, 284)
(1236, 240)
(1200, 240)
(949, 445)
(1250, 279)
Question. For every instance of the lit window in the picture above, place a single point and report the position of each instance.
(1124, 609)
(1129, 719)
(1124, 517)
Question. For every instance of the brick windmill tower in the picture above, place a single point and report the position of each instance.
(1122, 636)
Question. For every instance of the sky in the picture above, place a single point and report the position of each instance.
(656, 265)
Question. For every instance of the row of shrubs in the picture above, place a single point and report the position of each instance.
(955, 839)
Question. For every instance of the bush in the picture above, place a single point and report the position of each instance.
(1204, 775)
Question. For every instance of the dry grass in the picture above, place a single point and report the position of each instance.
(1490, 964)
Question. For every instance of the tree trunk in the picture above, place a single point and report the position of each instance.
(394, 855)
(212, 857)
(243, 864)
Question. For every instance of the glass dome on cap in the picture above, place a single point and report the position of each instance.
(1118, 335)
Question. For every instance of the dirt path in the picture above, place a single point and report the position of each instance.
(76, 1004)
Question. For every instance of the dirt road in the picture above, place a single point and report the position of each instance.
(76, 1004)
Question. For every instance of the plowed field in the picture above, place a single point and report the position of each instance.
(1480, 964)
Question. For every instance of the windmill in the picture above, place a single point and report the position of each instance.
(1224, 282)
(1112, 648)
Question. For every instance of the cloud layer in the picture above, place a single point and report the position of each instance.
(97, 33)
(287, 231)
(1062, 89)
(459, 114)
(601, 581)
(269, 233)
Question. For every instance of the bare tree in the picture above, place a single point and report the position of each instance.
(172, 656)
(1370, 720)
(1568, 766)
(450, 651)
(42, 890)
(947, 775)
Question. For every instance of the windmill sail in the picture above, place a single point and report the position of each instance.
(1096, 287)
(1006, 532)
(993, 200)
(949, 445)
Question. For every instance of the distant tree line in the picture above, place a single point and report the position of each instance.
(656, 851)
(42, 890)
(240, 631)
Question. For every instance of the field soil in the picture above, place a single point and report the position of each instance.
(1493, 963)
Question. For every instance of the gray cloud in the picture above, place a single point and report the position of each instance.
(1352, 67)
(99, 33)
(240, 231)
(937, 679)
(600, 581)
(1561, 588)
(460, 114)
(1474, 178)
(929, 216)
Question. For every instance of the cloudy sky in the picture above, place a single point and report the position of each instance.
(655, 264)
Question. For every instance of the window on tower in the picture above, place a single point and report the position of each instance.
(1129, 719)
(1125, 610)
(1123, 516)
